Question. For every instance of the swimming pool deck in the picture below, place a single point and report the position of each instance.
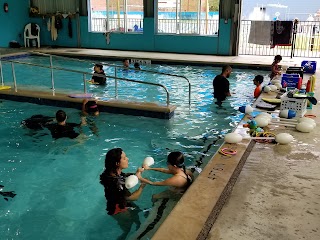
(276, 195)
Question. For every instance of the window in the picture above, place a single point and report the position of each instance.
(197, 17)
(116, 15)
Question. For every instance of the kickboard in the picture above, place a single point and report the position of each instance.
(81, 95)
(274, 101)
(5, 87)
(264, 105)
(93, 83)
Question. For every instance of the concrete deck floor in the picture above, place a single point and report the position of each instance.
(277, 195)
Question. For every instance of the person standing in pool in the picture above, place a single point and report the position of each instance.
(89, 111)
(98, 76)
(257, 81)
(118, 197)
(63, 129)
(126, 63)
(221, 85)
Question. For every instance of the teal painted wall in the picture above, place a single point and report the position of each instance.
(146, 41)
(12, 23)
(17, 17)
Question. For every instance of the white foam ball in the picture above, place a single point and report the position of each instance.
(284, 138)
(305, 127)
(148, 161)
(262, 121)
(266, 115)
(249, 109)
(131, 181)
(233, 138)
(266, 89)
(306, 119)
(273, 88)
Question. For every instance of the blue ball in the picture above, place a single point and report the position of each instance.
(291, 114)
(242, 109)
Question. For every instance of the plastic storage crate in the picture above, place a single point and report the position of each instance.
(309, 66)
(296, 104)
(291, 80)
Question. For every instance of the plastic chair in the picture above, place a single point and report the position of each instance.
(28, 35)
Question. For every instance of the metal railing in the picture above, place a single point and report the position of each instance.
(189, 26)
(116, 24)
(75, 71)
(116, 67)
(307, 41)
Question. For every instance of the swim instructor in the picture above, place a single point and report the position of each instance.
(118, 197)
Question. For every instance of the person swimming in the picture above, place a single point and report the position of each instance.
(181, 178)
(7, 195)
(37, 122)
(90, 107)
(137, 66)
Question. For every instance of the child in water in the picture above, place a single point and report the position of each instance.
(258, 82)
(275, 68)
(180, 180)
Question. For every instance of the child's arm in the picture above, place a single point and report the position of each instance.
(163, 170)
(173, 181)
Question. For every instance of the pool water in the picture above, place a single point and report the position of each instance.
(57, 182)
(68, 82)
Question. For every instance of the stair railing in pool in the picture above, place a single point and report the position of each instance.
(84, 77)
(116, 67)
(1, 73)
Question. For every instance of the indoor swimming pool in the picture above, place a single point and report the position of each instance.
(57, 182)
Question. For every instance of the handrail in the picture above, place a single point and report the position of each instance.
(121, 67)
(85, 73)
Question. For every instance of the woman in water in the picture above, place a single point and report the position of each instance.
(113, 179)
(180, 180)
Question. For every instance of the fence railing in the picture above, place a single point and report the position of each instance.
(189, 26)
(116, 67)
(116, 24)
(307, 41)
(74, 71)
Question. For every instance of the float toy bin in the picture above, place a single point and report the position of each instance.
(291, 80)
(295, 104)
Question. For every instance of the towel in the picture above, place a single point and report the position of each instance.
(260, 32)
(54, 31)
(281, 33)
